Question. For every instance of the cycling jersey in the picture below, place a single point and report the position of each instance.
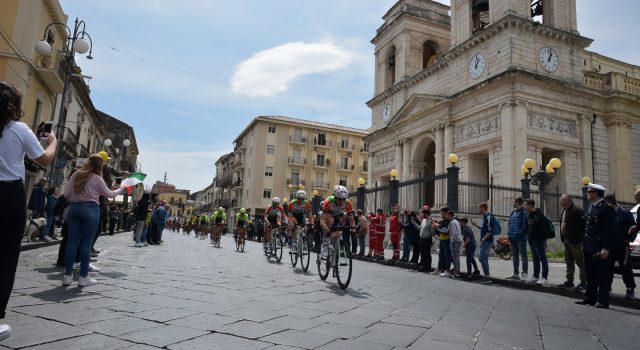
(272, 213)
(242, 218)
(218, 216)
(329, 206)
(204, 219)
(298, 210)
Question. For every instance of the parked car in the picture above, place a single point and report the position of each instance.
(634, 258)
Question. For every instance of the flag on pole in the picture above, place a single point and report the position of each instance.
(134, 179)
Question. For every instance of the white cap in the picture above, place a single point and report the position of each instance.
(596, 187)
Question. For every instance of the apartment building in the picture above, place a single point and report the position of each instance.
(274, 156)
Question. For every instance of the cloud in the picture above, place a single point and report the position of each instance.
(272, 71)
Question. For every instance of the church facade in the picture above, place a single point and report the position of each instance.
(496, 82)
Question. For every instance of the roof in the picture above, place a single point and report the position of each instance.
(309, 123)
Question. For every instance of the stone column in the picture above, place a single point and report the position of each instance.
(398, 160)
(448, 143)
(619, 132)
(439, 158)
(585, 135)
(370, 169)
(513, 120)
(406, 160)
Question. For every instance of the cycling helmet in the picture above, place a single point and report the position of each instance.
(220, 209)
(301, 194)
(341, 192)
(276, 200)
(242, 210)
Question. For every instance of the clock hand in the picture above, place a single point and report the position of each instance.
(476, 65)
(549, 59)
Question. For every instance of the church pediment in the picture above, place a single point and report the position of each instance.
(415, 104)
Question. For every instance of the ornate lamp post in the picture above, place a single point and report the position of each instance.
(75, 42)
(361, 188)
(539, 178)
(585, 181)
(315, 202)
(452, 182)
(393, 189)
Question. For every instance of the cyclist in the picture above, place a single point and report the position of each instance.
(272, 215)
(204, 223)
(334, 208)
(242, 219)
(297, 210)
(218, 218)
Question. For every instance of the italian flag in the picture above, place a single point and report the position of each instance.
(132, 180)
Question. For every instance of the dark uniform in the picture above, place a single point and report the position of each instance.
(622, 223)
(598, 236)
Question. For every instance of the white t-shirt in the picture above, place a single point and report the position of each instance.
(16, 140)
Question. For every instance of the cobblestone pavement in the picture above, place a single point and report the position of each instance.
(185, 294)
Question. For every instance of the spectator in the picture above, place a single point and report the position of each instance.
(49, 228)
(517, 233)
(363, 230)
(622, 222)
(379, 224)
(259, 229)
(141, 209)
(469, 245)
(488, 228)
(537, 235)
(411, 229)
(455, 236)
(146, 231)
(37, 203)
(444, 254)
(113, 219)
(395, 230)
(572, 225)
(83, 192)
(158, 219)
(426, 236)
(372, 234)
(16, 140)
(596, 247)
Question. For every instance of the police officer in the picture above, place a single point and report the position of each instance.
(598, 243)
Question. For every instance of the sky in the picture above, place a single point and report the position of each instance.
(189, 75)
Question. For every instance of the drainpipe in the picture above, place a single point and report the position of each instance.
(593, 150)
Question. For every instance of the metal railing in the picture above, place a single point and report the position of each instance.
(298, 139)
(320, 184)
(325, 143)
(297, 160)
(325, 164)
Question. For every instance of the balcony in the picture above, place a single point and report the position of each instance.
(364, 169)
(226, 180)
(69, 143)
(239, 164)
(345, 167)
(225, 203)
(237, 185)
(612, 81)
(320, 185)
(346, 146)
(296, 182)
(51, 69)
(84, 152)
(298, 139)
(240, 146)
(325, 143)
(297, 161)
(364, 149)
(324, 164)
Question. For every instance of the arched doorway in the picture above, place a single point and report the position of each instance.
(423, 168)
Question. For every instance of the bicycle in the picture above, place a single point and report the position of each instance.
(276, 244)
(302, 248)
(240, 239)
(339, 258)
(215, 235)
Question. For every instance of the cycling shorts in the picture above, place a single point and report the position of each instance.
(241, 223)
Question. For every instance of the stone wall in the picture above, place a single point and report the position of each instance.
(635, 155)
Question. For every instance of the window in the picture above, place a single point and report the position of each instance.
(179, 200)
(271, 149)
(365, 165)
(297, 155)
(36, 114)
(343, 180)
(268, 171)
(344, 143)
(537, 11)
(272, 129)
(390, 65)
(319, 179)
(344, 162)
(295, 177)
(266, 194)
(429, 53)
(320, 159)
(480, 13)
(322, 139)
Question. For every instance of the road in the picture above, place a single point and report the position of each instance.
(185, 294)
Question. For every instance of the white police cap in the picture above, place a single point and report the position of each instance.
(596, 187)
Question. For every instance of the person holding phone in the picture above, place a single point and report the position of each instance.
(16, 140)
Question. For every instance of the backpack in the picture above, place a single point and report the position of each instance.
(494, 225)
(547, 226)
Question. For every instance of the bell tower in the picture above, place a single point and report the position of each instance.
(471, 16)
(414, 35)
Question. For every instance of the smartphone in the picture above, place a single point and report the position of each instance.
(46, 129)
(118, 180)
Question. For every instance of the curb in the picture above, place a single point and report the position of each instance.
(615, 299)
(41, 244)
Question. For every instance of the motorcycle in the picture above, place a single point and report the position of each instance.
(502, 247)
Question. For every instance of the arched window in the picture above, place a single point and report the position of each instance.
(429, 53)
(390, 65)
(480, 13)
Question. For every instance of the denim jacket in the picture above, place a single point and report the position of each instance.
(518, 224)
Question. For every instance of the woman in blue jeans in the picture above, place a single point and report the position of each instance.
(83, 216)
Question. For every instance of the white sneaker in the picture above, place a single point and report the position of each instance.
(76, 266)
(67, 280)
(523, 276)
(139, 245)
(445, 274)
(87, 281)
(531, 280)
(513, 277)
(542, 281)
(5, 331)
(94, 268)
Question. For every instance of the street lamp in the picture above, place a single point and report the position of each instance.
(393, 188)
(585, 181)
(361, 188)
(75, 42)
(539, 178)
(453, 178)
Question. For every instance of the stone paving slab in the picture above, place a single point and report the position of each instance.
(119, 326)
(220, 341)
(163, 335)
(87, 342)
(305, 340)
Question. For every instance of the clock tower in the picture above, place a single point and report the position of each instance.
(496, 82)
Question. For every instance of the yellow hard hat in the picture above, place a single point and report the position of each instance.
(104, 155)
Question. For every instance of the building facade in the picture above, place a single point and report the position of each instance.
(179, 205)
(497, 82)
(275, 156)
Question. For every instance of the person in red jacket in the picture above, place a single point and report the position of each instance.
(379, 227)
(396, 231)
(373, 237)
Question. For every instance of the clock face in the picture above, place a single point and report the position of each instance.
(549, 59)
(476, 66)
(386, 112)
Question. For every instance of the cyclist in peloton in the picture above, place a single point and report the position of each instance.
(218, 218)
(297, 210)
(242, 219)
(333, 208)
(204, 223)
(272, 215)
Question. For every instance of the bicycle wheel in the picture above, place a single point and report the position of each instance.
(303, 251)
(277, 250)
(324, 266)
(294, 258)
(343, 265)
(242, 246)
